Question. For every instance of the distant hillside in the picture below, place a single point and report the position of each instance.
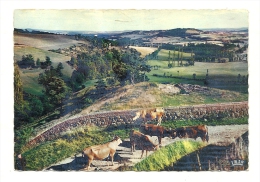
(243, 29)
(180, 32)
(45, 41)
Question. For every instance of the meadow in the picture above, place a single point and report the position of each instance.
(223, 74)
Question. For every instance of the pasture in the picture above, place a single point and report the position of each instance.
(223, 74)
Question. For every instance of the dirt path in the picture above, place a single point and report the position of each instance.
(218, 135)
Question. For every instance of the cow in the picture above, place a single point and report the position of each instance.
(159, 131)
(150, 114)
(193, 132)
(142, 141)
(102, 151)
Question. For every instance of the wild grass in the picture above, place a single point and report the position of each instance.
(209, 122)
(168, 155)
(70, 143)
(153, 97)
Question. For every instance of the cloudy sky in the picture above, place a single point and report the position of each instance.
(117, 20)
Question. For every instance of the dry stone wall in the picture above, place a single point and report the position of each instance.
(117, 118)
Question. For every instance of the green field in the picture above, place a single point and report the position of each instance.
(29, 77)
(164, 54)
(221, 73)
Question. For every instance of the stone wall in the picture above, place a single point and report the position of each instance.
(205, 112)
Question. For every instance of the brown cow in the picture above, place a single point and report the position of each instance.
(193, 132)
(142, 141)
(150, 114)
(159, 131)
(101, 152)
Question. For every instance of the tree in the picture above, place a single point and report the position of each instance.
(101, 86)
(55, 87)
(38, 62)
(36, 106)
(19, 104)
(27, 61)
(18, 86)
(47, 63)
(59, 68)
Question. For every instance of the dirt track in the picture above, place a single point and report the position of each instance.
(218, 135)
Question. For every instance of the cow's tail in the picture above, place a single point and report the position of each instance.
(82, 153)
(137, 115)
(207, 134)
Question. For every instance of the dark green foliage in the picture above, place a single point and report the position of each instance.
(101, 86)
(38, 62)
(178, 32)
(47, 63)
(55, 88)
(27, 61)
(36, 107)
(20, 138)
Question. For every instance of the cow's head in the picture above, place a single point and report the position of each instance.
(156, 147)
(118, 139)
(172, 133)
(159, 109)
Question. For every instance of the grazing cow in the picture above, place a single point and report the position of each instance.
(193, 132)
(150, 114)
(142, 141)
(101, 152)
(159, 131)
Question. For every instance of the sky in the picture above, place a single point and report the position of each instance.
(134, 19)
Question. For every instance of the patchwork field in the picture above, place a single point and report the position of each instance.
(144, 50)
(164, 54)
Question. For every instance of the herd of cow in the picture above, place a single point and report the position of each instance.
(142, 139)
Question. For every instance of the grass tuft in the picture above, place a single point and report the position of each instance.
(168, 155)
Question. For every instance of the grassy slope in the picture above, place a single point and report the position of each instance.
(144, 96)
(29, 77)
(70, 143)
(168, 155)
(46, 41)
